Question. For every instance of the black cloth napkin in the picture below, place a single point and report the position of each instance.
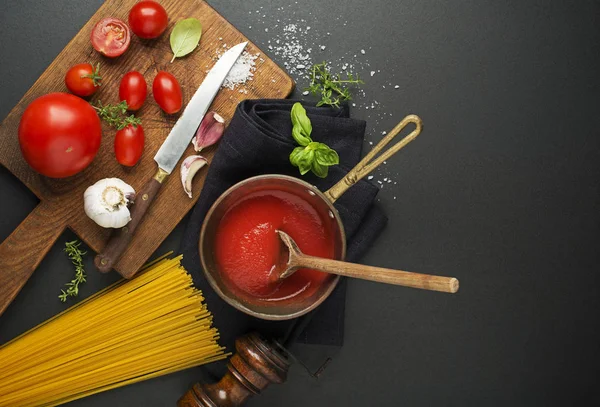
(258, 141)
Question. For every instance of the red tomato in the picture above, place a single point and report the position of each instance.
(129, 145)
(167, 92)
(83, 80)
(110, 37)
(133, 90)
(59, 134)
(148, 19)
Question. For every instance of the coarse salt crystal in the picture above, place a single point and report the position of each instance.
(384, 132)
(305, 93)
(362, 51)
(372, 73)
(242, 71)
(396, 87)
(370, 177)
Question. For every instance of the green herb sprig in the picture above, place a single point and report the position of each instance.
(332, 89)
(115, 115)
(311, 155)
(76, 255)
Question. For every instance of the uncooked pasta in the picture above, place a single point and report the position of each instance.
(131, 331)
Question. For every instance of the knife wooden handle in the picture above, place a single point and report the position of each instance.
(120, 238)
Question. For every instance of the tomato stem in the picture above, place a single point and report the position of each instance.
(94, 76)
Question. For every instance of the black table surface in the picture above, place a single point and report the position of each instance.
(501, 191)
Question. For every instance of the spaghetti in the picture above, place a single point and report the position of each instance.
(131, 331)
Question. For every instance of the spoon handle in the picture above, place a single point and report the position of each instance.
(379, 274)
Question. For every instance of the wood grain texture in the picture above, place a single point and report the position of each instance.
(62, 199)
(298, 260)
(256, 364)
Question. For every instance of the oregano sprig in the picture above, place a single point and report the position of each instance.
(310, 155)
(115, 115)
(332, 89)
(76, 255)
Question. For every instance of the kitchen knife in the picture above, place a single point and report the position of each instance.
(168, 155)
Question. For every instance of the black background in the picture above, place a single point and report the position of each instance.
(501, 191)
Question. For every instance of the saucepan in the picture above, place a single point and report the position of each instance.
(322, 202)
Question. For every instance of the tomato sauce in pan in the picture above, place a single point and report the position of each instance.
(247, 247)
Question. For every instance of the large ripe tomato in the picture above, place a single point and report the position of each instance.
(59, 134)
(133, 90)
(129, 145)
(167, 92)
(110, 37)
(148, 19)
(83, 80)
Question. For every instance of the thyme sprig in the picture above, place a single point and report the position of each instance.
(115, 115)
(76, 255)
(332, 89)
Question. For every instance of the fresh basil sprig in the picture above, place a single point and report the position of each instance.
(311, 155)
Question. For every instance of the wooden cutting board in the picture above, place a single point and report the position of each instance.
(61, 200)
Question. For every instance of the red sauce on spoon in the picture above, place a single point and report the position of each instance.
(247, 247)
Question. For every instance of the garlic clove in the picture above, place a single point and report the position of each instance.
(210, 131)
(106, 202)
(189, 167)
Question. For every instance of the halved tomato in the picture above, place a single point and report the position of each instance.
(110, 37)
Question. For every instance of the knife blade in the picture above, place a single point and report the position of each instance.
(168, 155)
(181, 134)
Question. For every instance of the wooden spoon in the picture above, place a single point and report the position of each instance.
(297, 260)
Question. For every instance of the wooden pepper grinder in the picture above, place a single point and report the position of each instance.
(256, 364)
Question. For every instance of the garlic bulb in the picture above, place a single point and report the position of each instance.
(106, 202)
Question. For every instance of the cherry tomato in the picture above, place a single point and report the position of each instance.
(133, 90)
(59, 134)
(148, 19)
(167, 92)
(110, 37)
(129, 145)
(83, 80)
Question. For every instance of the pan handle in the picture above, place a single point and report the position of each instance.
(369, 162)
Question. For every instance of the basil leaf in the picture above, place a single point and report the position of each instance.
(185, 37)
(319, 170)
(300, 138)
(295, 154)
(305, 161)
(299, 118)
(327, 156)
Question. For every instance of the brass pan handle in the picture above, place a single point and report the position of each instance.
(369, 162)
